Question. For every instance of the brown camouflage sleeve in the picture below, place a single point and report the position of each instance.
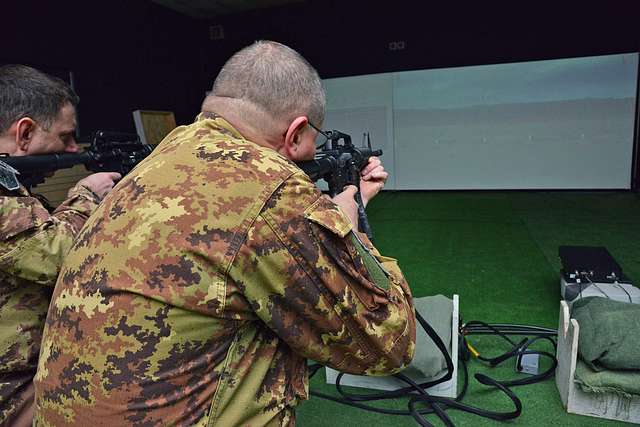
(314, 282)
(33, 242)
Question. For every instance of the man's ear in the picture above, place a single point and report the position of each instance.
(292, 136)
(25, 127)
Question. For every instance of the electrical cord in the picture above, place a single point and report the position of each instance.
(509, 329)
(434, 402)
(518, 349)
(417, 394)
(585, 276)
(625, 291)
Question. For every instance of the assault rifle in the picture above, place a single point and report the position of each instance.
(108, 152)
(339, 163)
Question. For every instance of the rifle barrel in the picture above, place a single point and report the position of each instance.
(27, 165)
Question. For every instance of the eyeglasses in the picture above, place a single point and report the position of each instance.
(321, 138)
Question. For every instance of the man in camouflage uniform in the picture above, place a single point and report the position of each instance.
(199, 287)
(37, 116)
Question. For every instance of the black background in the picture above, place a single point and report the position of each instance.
(134, 54)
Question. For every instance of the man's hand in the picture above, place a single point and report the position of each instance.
(100, 183)
(372, 179)
(347, 202)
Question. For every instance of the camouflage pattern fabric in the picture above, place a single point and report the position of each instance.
(33, 243)
(201, 284)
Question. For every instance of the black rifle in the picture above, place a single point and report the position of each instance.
(339, 163)
(108, 152)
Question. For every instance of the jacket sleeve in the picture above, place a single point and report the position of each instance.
(33, 242)
(323, 288)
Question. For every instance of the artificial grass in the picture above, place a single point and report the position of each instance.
(498, 251)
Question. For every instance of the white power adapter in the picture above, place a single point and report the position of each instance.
(528, 364)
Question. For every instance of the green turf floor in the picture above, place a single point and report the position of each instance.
(498, 251)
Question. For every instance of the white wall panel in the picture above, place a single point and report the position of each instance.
(558, 124)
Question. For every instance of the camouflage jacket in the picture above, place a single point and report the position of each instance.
(203, 282)
(33, 243)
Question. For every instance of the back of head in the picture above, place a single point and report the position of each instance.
(273, 79)
(27, 92)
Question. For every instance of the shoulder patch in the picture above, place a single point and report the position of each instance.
(328, 215)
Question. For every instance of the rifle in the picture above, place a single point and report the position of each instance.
(108, 152)
(339, 163)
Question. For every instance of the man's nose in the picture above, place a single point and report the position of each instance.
(72, 147)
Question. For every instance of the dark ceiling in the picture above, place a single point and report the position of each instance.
(204, 9)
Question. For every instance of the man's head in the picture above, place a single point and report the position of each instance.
(271, 93)
(37, 112)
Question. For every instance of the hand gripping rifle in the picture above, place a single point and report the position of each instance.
(339, 163)
(109, 152)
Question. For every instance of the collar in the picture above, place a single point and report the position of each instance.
(219, 122)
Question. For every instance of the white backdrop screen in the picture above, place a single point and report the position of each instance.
(356, 105)
(558, 124)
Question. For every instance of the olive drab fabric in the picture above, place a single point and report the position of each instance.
(202, 283)
(33, 243)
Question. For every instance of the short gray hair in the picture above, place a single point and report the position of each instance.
(27, 92)
(276, 79)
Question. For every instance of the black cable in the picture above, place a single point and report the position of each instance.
(517, 351)
(412, 386)
(438, 405)
(490, 327)
(508, 328)
(451, 403)
(625, 291)
(314, 369)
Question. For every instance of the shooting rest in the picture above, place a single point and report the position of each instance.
(576, 401)
(445, 389)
